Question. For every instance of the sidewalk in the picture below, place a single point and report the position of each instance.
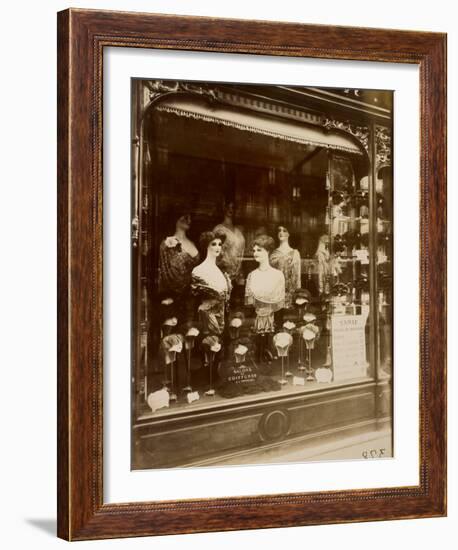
(368, 444)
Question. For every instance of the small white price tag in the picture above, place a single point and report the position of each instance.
(193, 396)
(298, 381)
(362, 256)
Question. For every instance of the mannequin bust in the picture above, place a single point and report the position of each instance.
(234, 244)
(178, 255)
(211, 285)
(323, 256)
(329, 266)
(288, 261)
(265, 287)
(340, 221)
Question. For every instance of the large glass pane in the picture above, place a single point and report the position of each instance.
(385, 269)
(349, 291)
(255, 277)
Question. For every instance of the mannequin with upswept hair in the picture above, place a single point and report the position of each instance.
(327, 265)
(177, 256)
(288, 261)
(211, 285)
(265, 290)
(234, 244)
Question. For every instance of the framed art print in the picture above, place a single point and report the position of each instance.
(251, 274)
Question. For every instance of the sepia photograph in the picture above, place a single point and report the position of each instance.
(261, 274)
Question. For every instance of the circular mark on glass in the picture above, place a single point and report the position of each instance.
(274, 425)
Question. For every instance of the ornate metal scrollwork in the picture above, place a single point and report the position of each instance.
(383, 146)
(361, 133)
(159, 88)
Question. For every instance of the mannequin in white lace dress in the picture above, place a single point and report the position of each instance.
(265, 290)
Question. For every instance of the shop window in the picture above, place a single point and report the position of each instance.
(262, 269)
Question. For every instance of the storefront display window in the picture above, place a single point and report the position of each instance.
(262, 249)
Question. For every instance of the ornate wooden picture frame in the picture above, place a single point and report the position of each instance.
(82, 37)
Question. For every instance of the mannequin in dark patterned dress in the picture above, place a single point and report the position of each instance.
(211, 286)
(177, 258)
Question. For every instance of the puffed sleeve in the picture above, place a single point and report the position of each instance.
(278, 293)
(282, 285)
(249, 298)
(165, 268)
(229, 284)
(170, 269)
